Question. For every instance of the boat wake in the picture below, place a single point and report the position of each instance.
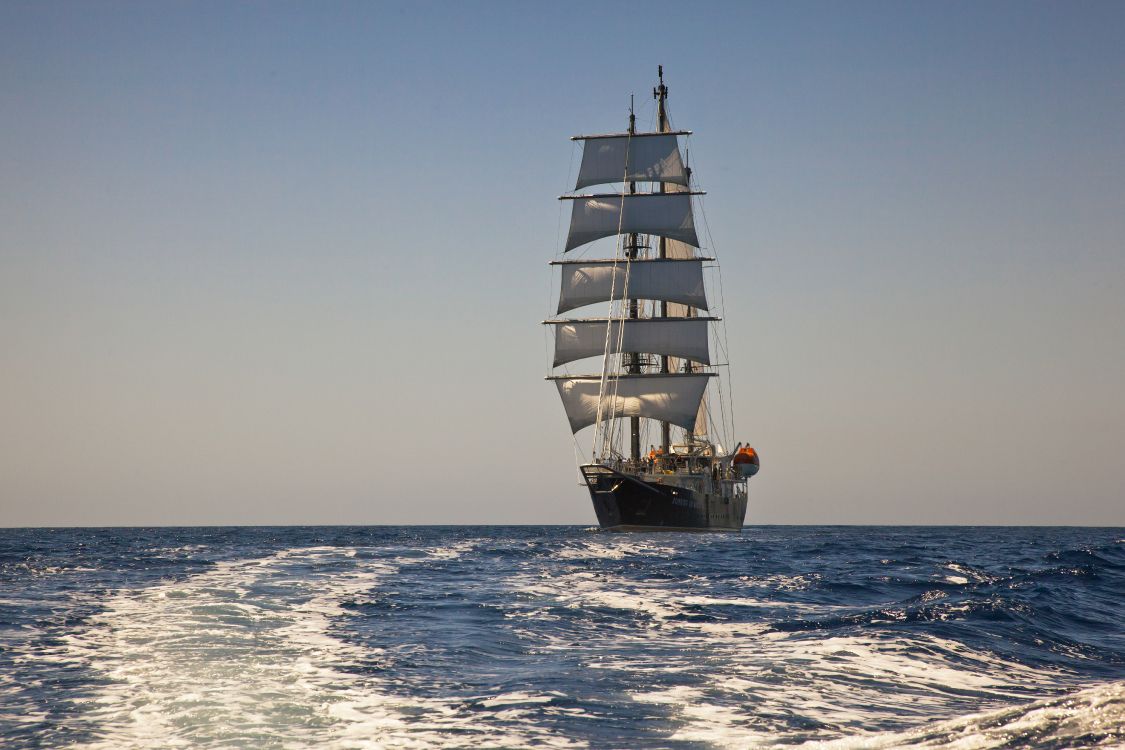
(566, 639)
(253, 653)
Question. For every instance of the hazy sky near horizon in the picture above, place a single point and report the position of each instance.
(275, 263)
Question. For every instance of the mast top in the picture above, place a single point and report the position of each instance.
(660, 93)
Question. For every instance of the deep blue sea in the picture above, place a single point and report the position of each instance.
(509, 637)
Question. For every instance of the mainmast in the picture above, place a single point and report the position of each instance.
(633, 359)
(660, 93)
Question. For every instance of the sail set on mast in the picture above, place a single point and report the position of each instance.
(674, 280)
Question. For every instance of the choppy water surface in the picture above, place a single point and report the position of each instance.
(562, 637)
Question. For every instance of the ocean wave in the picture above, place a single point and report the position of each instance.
(765, 682)
(1091, 718)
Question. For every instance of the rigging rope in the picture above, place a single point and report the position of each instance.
(599, 431)
(728, 403)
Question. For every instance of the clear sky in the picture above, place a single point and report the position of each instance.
(285, 262)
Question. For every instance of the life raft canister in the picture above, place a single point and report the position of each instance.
(746, 461)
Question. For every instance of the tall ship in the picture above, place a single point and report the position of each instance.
(661, 456)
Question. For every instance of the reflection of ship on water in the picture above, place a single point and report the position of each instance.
(654, 342)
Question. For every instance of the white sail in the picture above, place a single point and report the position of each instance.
(678, 250)
(660, 214)
(650, 158)
(578, 339)
(675, 249)
(591, 282)
(700, 428)
(671, 398)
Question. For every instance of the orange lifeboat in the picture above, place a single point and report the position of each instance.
(746, 461)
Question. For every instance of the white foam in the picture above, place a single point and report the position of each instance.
(780, 582)
(249, 654)
(742, 684)
(518, 698)
(1094, 717)
(452, 551)
(607, 547)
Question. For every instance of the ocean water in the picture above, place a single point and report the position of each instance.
(508, 637)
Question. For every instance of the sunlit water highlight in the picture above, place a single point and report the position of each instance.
(561, 637)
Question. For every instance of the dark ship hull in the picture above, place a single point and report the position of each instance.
(665, 502)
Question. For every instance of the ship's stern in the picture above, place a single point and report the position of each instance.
(625, 502)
